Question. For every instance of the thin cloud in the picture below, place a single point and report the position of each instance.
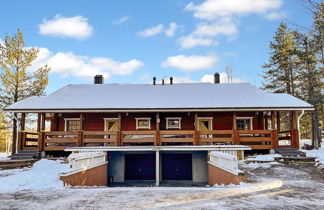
(171, 30)
(121, 20)
(151, 31)
(76, 27)
(190, 41)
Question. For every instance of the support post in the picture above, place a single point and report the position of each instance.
(275, 139)
(261, 120)
(235, 134)
(38, 121)
(278, 121)
(157, 133)
(157, 168)
(266, 124)
(234, 121)
(80, 139)
(119, 134)
(273, 127)
(22, 121)
(81, 121)
(41, 141)
(43, 122)
(196, 134)
(293, 132)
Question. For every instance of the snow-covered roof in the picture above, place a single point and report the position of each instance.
(159, 97)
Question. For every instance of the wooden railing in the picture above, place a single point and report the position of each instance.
(216, 137)
(59, 140)
(284, 138)
(177, 136)
(257, 139)
(137, 137)
(99, 138)
(28, 140)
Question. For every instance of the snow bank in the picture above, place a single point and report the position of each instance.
(269, 157)
(260, 165)
(242, 184)
(43, 175)
(4, 156)
(318, 153)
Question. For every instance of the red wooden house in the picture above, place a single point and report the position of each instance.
(118, 115)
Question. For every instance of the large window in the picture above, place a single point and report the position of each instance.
(143, 123)
(244, 123)
(72, 124)
(173, 123)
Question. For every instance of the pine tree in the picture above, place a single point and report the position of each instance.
(280, 74)
(17, 81)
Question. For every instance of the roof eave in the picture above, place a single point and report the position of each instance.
(307, 108)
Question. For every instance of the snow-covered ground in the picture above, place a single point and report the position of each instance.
(43, 175)
(267, 186)
(318, 153)
(3, 156)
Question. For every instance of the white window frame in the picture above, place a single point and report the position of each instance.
(205, 118)
(246, 118)
(67, 119)
(105, 121)
(143, 118)
(172, 118)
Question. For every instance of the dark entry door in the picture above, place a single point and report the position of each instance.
(140, 167)
(176, 167)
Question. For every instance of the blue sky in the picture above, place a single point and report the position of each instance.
(132, 41)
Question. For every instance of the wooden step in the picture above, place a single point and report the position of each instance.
(295, 160)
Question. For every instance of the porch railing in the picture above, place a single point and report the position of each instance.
(28, 140)
(59, 140)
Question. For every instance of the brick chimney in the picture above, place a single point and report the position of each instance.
(171, 80)
(216, 78)
(98, 79)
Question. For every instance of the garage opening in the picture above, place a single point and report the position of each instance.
(140, 167)
(176, 166)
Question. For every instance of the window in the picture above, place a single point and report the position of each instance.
(72, 124)
(244, 123)
(173, 123)
(143, 123)
(111, 124)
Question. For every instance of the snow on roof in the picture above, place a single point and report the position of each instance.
(146, 96)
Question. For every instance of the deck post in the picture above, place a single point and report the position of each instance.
(41, 141)
(157, 141)
(266, 123)
(273, 127)
(22, 121)
(80, 138)
(196, 136)
(261, 120)
(293, 133)
(81, 121)
(278, 121)
(157, 168)
(38, 121)
(275, 139)
(235, 134)
(43, 122)
(119, 134)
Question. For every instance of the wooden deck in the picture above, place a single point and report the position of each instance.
(59, 140)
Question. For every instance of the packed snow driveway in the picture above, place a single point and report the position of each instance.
(269, 186)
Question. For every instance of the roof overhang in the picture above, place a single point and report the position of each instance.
(164, 109)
